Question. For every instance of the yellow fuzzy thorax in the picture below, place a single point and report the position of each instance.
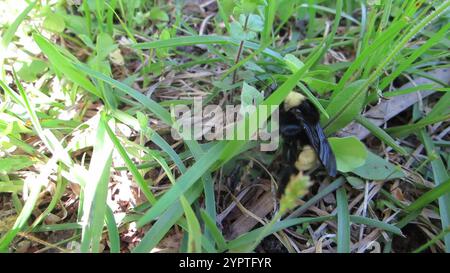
(293, 99)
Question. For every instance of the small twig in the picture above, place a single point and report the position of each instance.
(238, 56)
(42, 242)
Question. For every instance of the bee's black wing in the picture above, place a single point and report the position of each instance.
(308, 115)
(320, 144)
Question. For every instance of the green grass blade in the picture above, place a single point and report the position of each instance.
(269, 13)
(375, 223)
(113, 232)
(214, 230)
(409, 90)
(208, 183)
(59, 191)
(153, 106)
(184, 41)
(129, 163)
(204, 40)
(165, 222)
(47, 137)
(183, 183)
(195, 233)
(345, 107)
(433, 241)
(95, 192)
(152, 135)
(380, 134)
(313, 99)
(430, 196)
(343, 222)
(9, 34)
(388, 35)
(250, 237)
(407, 62)
(404, 130)
(441, 108)
(193, 226)
(28, 208)
(440, 175)
(61, 63)
(330, 10)
(58, 227)
(223, 15)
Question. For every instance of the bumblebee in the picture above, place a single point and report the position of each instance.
(304, 142)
